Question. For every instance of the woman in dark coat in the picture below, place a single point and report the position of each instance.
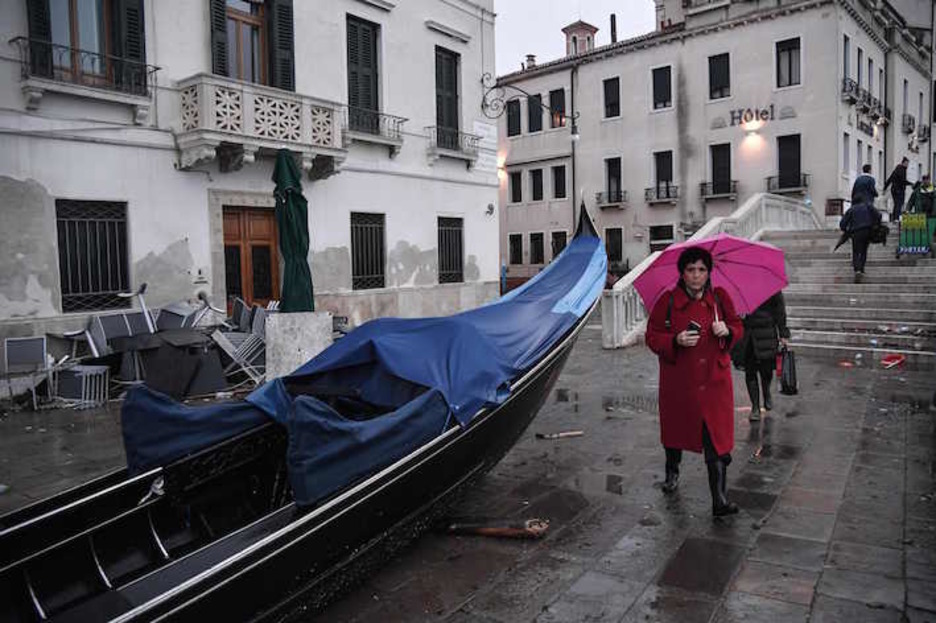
(764, 330)
(696, 398)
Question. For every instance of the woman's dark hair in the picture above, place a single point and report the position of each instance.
(693, 255)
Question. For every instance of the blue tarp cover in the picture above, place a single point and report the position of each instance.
(415, 373)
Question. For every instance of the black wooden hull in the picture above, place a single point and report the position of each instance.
(288, 564)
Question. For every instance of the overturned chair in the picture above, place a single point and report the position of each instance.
(247, 351)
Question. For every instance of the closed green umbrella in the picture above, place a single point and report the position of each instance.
(292, 219)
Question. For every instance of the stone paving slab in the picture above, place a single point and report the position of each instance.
(836, 487)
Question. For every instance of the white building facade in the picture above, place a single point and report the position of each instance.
(137, 140)
(724, 100)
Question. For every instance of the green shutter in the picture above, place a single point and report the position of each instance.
(40, 36)
(282, 54)
(219, 51)
(128, 46)
(362, 64)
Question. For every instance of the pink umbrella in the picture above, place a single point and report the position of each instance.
(751, 272)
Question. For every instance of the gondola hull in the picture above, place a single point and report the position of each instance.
(290, 563)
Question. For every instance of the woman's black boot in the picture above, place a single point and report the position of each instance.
(754, 394)
(717, 478)
(673, 457)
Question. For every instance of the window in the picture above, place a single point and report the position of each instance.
(559, 182)
(906, 97)
(535, 113)
(788, 160)
(858, 153)
(846, 160)
(363, 100)
(516, 248)
(451, 250)
(253, 41)
(367, 251)
(870, 76)
(93, 258)
(612, 97)
(537, 254)
(614, 244)
(663, 170)
(881, 86)
(870, 159)
(788, 62)
(860, 69)
(721, 169)
(574, 44)
(846, 57)
(559, 242)
(880, 167)
(613, 178)
(513, 118)
(661, 236)
(719, 76)
(920, 109)
(557, 117)
(662, 88)
(516, 187)
(447, 99)
(536, 184)
(109, 35)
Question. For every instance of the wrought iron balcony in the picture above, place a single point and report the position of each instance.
(662, 192)
(609, 198)
(864, 100)
(785, 183)
(908, 123)
(451, 143)
(43, 59)
(361, 124)
(849, 90)
(722, 189)
(223, 115)
(923, 133)
(877, 111)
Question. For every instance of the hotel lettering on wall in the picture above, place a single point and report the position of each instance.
(740, 116)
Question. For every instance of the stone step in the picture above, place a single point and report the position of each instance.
(863, 301)
(877, 327)
(848, 286)
(877, 252)
(785, 235)
(866, 357)
(903, 342)
(885, 315)
(874, 262)
(843, 274)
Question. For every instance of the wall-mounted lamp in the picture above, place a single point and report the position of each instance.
(494, 104)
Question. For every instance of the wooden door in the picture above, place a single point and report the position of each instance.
(251, 257)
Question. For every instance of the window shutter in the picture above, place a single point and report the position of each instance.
(129, 46)
(535, 113)
(513, 117)
(281, 28)
(40, 35)
(446, 89)
(362, 64)
(219, 51)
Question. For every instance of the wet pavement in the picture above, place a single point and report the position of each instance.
(837, 489)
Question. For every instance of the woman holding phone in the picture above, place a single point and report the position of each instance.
(691, 329)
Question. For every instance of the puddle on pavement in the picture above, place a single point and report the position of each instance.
(755, 503)
(702, 565)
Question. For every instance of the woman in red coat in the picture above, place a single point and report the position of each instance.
(692, 329)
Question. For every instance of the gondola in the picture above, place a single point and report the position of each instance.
(269, 508)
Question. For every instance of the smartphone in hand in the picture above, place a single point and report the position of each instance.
(694, 327)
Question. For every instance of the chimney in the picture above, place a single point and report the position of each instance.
(613, 28)
(530, 61)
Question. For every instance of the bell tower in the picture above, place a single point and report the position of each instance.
(580, 38)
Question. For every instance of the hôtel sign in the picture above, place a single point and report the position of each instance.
(742, 116)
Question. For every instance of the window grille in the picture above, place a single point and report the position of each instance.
(516, 248)
(367, 251)
(559, 182)
(92, 243)
(536, 184)
(451, 250)
(614, 244)
(661, 236)
(559, 242)
(536, 249)
(557, 108)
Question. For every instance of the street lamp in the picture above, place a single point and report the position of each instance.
(494, 104)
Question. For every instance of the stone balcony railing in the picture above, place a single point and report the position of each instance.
(219, 116)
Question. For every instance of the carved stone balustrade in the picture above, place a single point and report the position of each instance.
(233, 120)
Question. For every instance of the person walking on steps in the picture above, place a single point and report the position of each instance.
(864, 190)
(764, 330)
(857, 223)
(897, 181)
(691, 329)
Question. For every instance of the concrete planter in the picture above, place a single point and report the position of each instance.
(294, 338)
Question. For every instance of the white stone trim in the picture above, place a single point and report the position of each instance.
(448, 31)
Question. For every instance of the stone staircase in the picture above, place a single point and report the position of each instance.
(892, 311)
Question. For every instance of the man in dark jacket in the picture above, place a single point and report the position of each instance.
(857, 222)
(864, 190)
(764, 330)
(898, 183)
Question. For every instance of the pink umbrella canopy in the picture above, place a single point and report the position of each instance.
(751, 272)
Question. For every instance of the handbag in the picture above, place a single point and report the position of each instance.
(788, 373)
(738, 351)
